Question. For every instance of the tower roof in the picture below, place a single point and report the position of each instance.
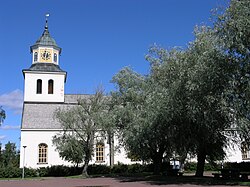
(46, 39)
(45, 67)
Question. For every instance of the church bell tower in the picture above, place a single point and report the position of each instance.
(44, 80)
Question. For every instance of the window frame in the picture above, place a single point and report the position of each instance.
(42, 153)
(39, 86)
(99, 152)
(245, 151)
(55, 57)
(51, 86)
(35, 56)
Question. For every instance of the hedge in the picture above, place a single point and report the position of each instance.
(58, 171)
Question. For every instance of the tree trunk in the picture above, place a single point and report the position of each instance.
(182, 161)
(157, 161)
(201, 157)
(85, 169)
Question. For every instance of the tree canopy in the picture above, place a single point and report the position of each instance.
(9, 156)
(2, 115)
(82, 125)
(191, 97)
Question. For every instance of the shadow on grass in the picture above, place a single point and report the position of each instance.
(181, 180)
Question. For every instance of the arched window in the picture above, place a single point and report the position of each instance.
(99, 152)
(35, 56)
(50, 86)
(245, 151)
(39, 86)
(42, 153)
(55, 57)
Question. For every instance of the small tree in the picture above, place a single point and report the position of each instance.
(10, 156)
(81, 125)
(2, 115)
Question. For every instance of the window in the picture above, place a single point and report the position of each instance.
(55, 57)
(245, 151)
(39, 86)
(43, 154)
(99, 152)
(50, 86)
(35, 56)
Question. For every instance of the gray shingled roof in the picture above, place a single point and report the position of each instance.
(41, 115)
(46, 67)
(46, 40)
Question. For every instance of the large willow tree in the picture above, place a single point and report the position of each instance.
(193, 98)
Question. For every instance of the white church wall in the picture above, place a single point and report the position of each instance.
(32, 139)
(31, 83)
(233, 154)
(120, 154)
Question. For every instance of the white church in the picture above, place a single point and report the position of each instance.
(43, 94)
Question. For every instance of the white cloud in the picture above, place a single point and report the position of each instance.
(13, 101)
(10, 127)
(2, 137)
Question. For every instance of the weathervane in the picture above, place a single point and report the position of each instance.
(46, 18)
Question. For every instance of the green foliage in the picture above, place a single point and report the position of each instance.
(60, 171)
(10, 172)
(192, 166)
(139, 108)
(119, 168)
(69, 148)
(42, 172)
(81, 126)
(234, 30)
(98, 169)
(242, 166)
(9, 156)
(30, 172)
(192, 96)
(2, 115)
(135, 168)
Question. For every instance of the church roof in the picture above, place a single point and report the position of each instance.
(46, 67)
(41, 115)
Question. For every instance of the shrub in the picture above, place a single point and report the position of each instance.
(98, 169)
(190, 166)
(119, 168)
(135, 168)
(59, 171)
(212, 167)
(29, 172)
(10, 172)
(42, 172)
(147, 168)
(242, 166)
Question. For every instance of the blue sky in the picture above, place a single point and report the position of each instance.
(97, 38)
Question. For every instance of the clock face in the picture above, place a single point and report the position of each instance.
(46, 55)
